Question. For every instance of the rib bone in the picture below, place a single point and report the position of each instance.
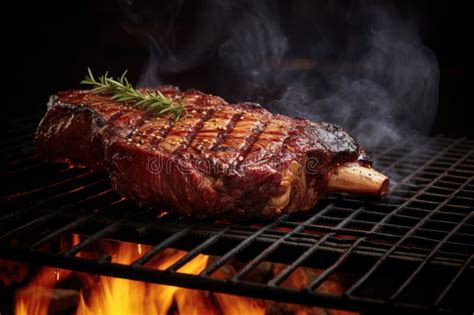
(357, 179)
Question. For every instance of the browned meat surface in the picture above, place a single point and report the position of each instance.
(229, 160)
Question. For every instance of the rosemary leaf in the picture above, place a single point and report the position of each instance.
(121, 90)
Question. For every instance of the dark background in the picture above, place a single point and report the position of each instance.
(48, 45)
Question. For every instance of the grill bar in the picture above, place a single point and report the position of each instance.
(273, 246)
(30, 225)
(448, 288)
(188, 281)
(99, 235)
(68, 227)
(411, 231)
(326, 273)
(233, 252)
(198, 250)
(159, 248)
(425, 227)
(409, 280)
(289, 269)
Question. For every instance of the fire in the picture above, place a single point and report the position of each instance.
(114, 295)
(36, 297)
(108, 295)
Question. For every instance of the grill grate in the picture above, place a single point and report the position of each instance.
(412, 251)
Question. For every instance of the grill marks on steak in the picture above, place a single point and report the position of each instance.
(238, 161)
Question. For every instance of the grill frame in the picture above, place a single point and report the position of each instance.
(378, 231)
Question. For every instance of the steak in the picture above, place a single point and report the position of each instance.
(236, 161)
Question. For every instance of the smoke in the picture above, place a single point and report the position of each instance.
(171, 50)
(361, 66)
(255, 46)
(383, 88)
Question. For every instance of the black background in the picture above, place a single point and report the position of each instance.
(48, 45)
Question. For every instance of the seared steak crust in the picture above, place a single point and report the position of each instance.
(229, 160)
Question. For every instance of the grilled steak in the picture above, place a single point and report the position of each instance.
(229, 160)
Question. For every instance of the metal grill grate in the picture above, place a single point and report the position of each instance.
(412, 251)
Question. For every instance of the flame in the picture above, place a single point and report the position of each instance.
(108, 295)
(76, 239)
(36, 297)
(237, 305)
(114, 295)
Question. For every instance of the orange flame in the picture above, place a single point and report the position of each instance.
(106, 295)
(36, 297)
(114, 295)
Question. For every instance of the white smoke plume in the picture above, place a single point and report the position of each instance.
(364, 66)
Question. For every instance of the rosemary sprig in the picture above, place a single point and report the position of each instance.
(122, 91)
